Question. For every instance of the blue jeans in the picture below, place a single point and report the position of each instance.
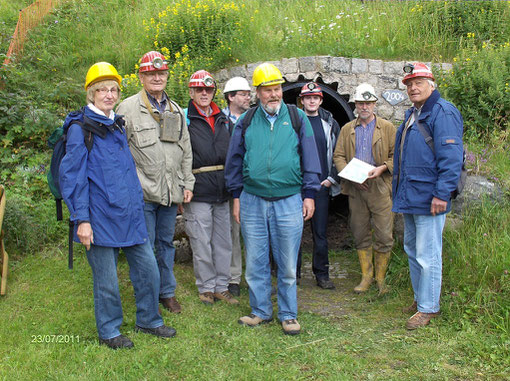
(143, 271)
(279, 223)
(423, 243)
(160, 221)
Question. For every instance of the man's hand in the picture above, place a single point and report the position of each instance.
(85, 234)
(236, 210)
(308, 208)
(377, 171)
(188, 195)
(326, 183)
(437, 206)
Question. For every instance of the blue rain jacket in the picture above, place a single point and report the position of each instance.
(423, 174)
(102, 187)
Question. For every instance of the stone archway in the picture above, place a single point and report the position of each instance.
(342, 75)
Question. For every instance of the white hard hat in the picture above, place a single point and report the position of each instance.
(365, 93)
(236, 84)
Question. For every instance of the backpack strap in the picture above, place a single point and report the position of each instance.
(247, 120)
(294, 117)
(426, 135)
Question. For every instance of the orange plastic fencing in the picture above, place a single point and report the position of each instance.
(28, 19)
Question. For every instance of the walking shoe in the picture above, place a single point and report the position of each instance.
(117, 342)
(234, 289)
(420, 319)
(171, 304)
(410, 309)
(325, 283)
(291, 327)
(252, 320)
(162, 331)
(226, 296)
(206, 298)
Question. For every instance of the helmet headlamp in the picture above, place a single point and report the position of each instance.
(408, 68)
(367, 95)
(157, 62)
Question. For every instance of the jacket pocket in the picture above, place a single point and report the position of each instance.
(145, 135)
(420, 185)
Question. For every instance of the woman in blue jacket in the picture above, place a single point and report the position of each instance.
(101, 189)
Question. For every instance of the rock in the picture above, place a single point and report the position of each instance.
(183, 253)
(476, 189)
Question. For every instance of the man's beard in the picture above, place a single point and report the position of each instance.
(272, 110)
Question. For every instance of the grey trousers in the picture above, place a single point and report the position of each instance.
(236, 266)
(208, 228)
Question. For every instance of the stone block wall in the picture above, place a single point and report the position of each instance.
(346, 73)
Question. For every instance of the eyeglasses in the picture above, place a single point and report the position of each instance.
(103, 91)
(208, 90)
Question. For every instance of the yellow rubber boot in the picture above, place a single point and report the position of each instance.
(367, 270)
(381, 264)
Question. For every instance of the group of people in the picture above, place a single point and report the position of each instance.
(260, 171)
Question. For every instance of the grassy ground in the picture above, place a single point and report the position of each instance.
(344, 336)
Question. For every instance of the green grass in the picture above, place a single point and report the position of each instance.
(367, 340)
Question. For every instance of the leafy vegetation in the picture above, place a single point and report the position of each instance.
(472, 340)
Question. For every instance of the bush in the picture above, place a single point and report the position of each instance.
(479, 86)
(204, 27)
(30, 225)
(25, 119)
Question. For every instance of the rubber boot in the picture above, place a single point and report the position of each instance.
(367, 270)
(381, 261)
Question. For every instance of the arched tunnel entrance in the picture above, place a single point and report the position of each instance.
(333, 102)
(342, 112)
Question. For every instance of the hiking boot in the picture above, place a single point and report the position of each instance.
(420, 319)
(207, 298)
(171, 304)
(226, 296)
(381, 261)
(252, 320)
(410, 309)
(234, 289)
(367, 270)
(117, 342)
(162, 331)
(325, 283)
(291, 327)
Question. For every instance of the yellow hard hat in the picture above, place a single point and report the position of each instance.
(267, 74)
(101, 71)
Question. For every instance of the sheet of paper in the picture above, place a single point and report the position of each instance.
(356, 170)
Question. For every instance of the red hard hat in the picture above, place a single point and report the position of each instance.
(202, 78)
(417, 69)
(311, 88)
(153, 61)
